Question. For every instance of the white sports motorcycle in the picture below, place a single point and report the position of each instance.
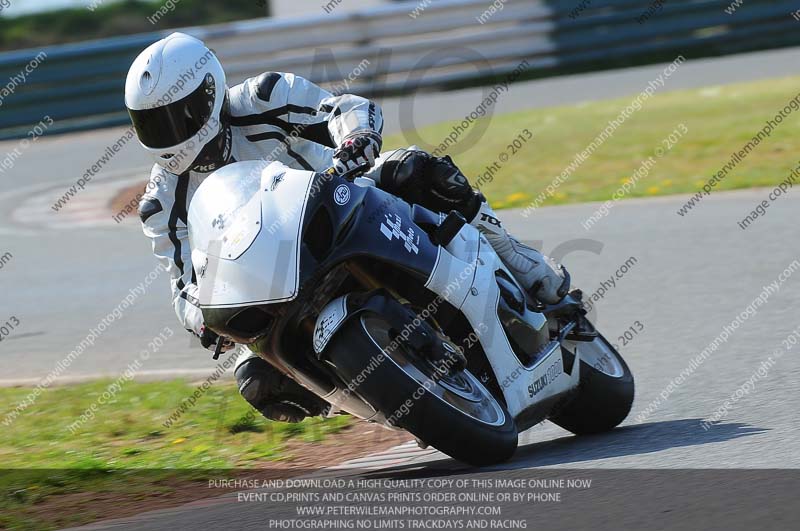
(394, 313)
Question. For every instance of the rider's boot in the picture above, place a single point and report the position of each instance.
(541, 276)
(273, 394)
(437, 183)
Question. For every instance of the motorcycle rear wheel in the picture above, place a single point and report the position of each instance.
(455, 413)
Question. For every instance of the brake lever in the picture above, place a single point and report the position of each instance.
(350, 175)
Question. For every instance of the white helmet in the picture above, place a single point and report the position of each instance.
(178, 102)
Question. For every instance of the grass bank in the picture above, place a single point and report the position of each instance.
(51, 472)
(719, 121)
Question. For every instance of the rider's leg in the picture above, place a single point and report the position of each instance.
(274, 394)
(436, 183)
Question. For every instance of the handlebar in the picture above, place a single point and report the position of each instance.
(350, 175)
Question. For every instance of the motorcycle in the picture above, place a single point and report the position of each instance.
(395, 314)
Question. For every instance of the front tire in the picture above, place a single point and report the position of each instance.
(605, 394)
(455, 414)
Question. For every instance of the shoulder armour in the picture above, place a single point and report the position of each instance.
(265, 84)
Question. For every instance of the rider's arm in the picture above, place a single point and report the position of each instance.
(348, 113)
(162, 211)
(314, 113)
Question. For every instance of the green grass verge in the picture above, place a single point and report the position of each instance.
(127, 435)
(720, 120)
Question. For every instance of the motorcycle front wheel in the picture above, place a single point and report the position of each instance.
(454, 413)
(605, 394)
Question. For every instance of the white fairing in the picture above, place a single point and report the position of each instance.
(244, 229)
(465, 276)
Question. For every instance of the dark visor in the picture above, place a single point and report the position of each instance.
(177, 122)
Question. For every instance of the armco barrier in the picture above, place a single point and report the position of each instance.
(80, 86)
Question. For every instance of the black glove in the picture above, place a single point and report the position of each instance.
(209, 339)
(357, 149)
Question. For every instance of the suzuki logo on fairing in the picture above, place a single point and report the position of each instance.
(537, 386)
(394, 229)
(553, 371)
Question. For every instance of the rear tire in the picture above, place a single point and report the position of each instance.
(439, 413)
(605, 394)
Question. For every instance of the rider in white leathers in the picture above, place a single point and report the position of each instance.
(191, 123)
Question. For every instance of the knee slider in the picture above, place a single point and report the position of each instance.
(256, 378)
(274, 394)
